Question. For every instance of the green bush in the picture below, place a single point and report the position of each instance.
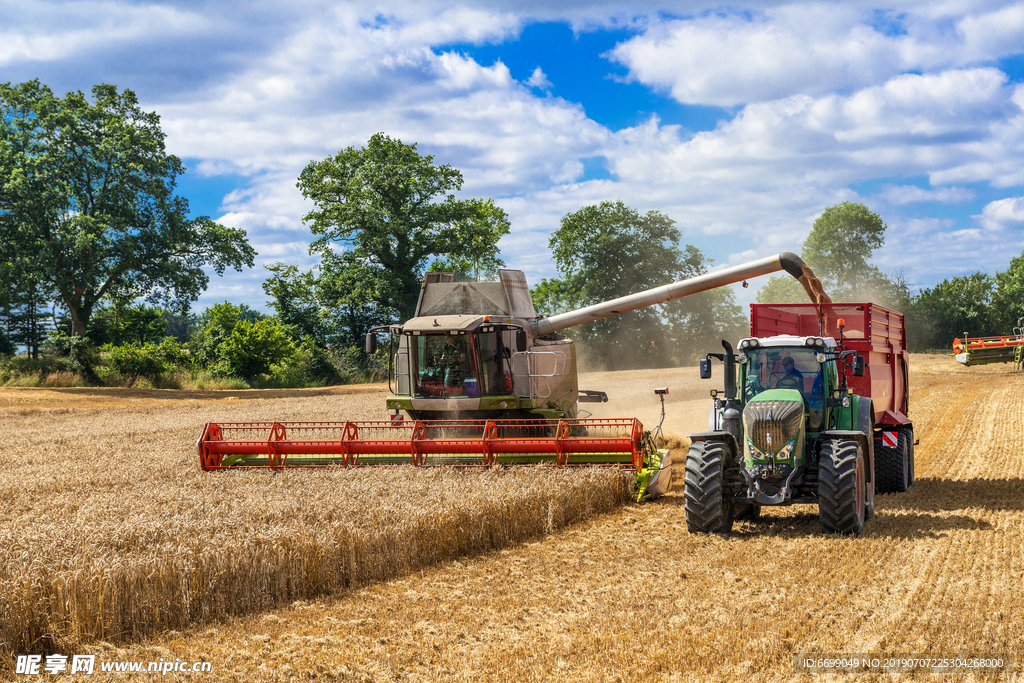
(308, 366)
(253, 348)
(172, 353)
(133, 361)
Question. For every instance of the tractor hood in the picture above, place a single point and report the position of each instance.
(773, 422)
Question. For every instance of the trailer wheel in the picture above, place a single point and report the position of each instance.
(708, 510)
(841, 487)
(891, 471)
(907, 440)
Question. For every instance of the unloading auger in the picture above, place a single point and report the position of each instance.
(484, 381)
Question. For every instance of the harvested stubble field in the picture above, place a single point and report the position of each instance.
(102, 492)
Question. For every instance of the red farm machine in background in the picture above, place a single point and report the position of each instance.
(1007, 348)
(484, 381)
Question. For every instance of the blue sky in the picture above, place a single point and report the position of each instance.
(741, 121)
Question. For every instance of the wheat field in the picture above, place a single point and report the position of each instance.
(620, 592)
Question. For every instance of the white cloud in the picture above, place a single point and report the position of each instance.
(910, 194)
(733, 58)
(88, 26)
(1003, 213)
(538, 80)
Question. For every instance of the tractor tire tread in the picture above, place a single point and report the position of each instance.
(837, 487)
(706, 509)
(890, 469)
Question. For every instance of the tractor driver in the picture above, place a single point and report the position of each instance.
(791, 377)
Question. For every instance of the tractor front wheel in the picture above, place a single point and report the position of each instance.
(708, 508)
(842, 495)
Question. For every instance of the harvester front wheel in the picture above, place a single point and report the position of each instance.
(842, 495)
(891, 467)
(708, 509)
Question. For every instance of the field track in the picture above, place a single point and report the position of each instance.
(631, 595)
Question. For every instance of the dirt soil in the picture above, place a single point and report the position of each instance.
(632, 595)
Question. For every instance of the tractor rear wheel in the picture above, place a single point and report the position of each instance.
(891, 471)
(708, 509)
(842, 494)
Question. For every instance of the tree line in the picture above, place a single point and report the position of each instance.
(100, 260)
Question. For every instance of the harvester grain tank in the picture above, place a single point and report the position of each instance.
(484, 381)
(814, 410)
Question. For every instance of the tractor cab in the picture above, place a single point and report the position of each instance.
(790, 362)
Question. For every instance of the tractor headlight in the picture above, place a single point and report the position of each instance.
(820, 358)
(787, 450)
(741, 358)
(755, 454)
(749, 344)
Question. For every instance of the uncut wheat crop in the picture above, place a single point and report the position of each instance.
(111, 531)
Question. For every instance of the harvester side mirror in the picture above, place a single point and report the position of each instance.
(371, 343)
(705, 369)
(858, 366)
(520, 340)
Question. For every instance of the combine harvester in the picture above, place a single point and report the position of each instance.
(484, 381)
(985, 350)
(814, 410)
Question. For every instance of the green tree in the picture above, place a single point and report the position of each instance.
(1008, 297)
(87, 193)
(781, 289)
(253, 348)
(395, 211)
(27, 304)
(838, 248)
(839, 245)
(609, 250)
(950, 309)
(474, 255)
(296, 301)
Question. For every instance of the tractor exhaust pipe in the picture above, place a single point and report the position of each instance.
(731, 415)
(787, 261)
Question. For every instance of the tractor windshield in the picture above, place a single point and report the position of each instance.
(468, 365)
(787, 368)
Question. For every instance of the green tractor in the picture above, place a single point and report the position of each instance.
(786, 430)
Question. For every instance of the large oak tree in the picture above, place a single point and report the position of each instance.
(87, 195)
(395, 212)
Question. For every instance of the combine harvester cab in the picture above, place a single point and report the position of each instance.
(814, 411)
(985, 350)
(483, 381)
